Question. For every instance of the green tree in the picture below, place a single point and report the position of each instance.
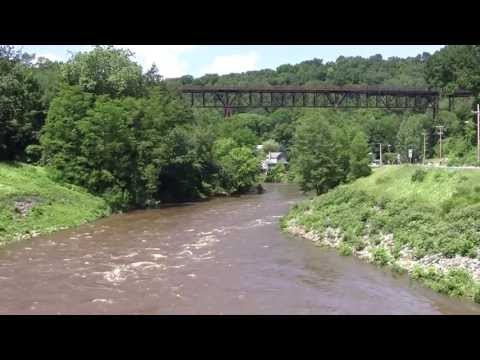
(152, 77)
(48, 76)
(21, 111)
(453, 67)
(359, 157)
(271, 146)
(241, 167)
(105, 71)
(410, 135)
(317, 154)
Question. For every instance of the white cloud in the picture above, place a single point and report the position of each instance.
(168, 58)
(227, 64)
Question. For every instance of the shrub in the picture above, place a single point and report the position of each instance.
(34, 153)
(456, 282)
(381, 256)
(382, 180)
(382, 202)
(277, 175)
(451, 246)
(476, 296)
(398, 269)
(419, 175)
(345, 250)
(438, 176)
(396, 251)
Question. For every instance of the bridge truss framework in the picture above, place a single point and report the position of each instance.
(230, 98)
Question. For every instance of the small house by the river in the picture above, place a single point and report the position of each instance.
(273, 159)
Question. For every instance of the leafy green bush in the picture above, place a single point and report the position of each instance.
(398, 269)
(456, 282)
(277, 175)
(419, 175)
(345, 250)
(382, 202)
(382, 180)
(33, 153)
(438, 176)
(381, 256)
(476, 296)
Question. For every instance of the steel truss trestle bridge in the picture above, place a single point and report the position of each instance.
(380, 97)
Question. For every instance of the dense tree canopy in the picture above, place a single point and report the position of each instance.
(454, 67)
(21, 113)
(345, 70)
(104, 71)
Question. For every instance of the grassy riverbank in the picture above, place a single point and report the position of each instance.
(31, 203)
(423, 221)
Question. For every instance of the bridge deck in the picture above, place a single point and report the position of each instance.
(351, 96)
(311, 89)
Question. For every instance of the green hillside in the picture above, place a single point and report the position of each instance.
(32, 203)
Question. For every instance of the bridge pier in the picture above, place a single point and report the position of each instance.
(435, 107)
(227, 112)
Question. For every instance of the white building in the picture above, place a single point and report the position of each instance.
(273, 159)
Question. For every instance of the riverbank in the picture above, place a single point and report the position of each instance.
(31, 203)
(421, 221)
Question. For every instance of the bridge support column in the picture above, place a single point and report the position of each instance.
(227, 111)
(451, 103)
(435, 108)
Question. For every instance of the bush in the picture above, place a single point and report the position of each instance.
(382, 202)
(382, 180)
(34, 153)
(419, 175)
(456, 282)
(345, 250)
(451, 246)
(438, 176)
(476, 296)
(381, 256)
(397, 269)
(352, 240)
(277, 175)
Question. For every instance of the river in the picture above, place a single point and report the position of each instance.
(222, 256)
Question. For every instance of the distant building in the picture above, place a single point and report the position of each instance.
(273, 159)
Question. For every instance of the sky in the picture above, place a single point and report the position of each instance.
(198, 60)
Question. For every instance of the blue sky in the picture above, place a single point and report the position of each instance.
(197, 60)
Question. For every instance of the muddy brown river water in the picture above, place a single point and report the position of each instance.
(223, 256)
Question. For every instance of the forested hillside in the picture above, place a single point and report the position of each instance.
(344, 71)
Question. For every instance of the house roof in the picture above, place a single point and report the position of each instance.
(275, 154)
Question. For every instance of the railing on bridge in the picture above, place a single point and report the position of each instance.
(353, 96)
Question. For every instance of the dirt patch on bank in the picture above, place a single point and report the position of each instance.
(24, 205)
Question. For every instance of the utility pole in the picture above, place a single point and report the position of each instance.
(478, 132)
(424, 146)
(381, 161)
(440, 133)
